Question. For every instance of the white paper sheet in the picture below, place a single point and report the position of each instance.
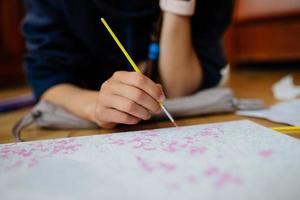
(285, 89)
(285, 112)
(235, 160)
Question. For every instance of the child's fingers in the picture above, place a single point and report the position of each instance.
(126, 105)
(142, 82)
(110, 115)
(135, 94)
(127, 98)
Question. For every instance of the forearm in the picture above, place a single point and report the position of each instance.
(125, 98)
(80, 102)
(179, 67)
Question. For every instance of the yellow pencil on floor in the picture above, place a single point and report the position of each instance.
(287, 129)
(135, 67)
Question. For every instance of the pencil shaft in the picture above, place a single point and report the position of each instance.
(135, 67)
(168, 114)
(287, 129)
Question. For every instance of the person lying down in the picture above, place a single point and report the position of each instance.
(72, 62)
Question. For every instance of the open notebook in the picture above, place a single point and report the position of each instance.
(233, 160)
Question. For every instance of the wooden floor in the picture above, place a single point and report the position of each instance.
(246, 83)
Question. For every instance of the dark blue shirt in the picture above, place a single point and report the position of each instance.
(66, 43)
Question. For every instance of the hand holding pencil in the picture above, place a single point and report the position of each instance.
(136, 68)
(127, 98)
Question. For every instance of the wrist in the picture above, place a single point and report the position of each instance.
(178, 7)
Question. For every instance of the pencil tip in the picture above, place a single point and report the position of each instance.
(174, 123)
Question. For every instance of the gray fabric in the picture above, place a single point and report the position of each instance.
(48, 115)
(205, 102)
(215, 100)
(55, 117)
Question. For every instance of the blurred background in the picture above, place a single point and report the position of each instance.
(263, 32)
(11, 43)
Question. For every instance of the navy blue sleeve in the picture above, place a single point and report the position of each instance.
(211, 19)
(54, 55)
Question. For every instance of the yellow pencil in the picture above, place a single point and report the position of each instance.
(287, 129)
(135, 67)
